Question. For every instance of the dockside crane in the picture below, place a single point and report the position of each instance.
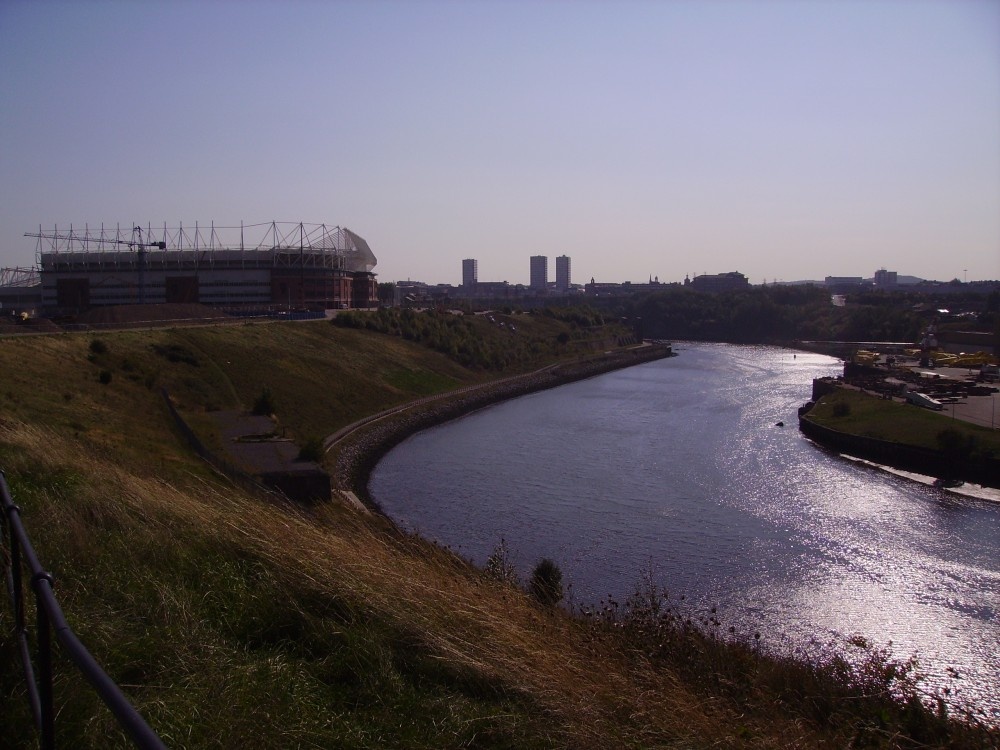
(136, 244)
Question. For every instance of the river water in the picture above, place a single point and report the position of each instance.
(677, 469)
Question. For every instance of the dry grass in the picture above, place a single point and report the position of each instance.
(547, 672)
(235, 620)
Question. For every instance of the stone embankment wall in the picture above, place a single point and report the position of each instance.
(352, 458)
(984, 471)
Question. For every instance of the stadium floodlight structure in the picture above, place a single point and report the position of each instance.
(314, 244)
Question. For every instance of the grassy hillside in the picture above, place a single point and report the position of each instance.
(235, 620)
(321, 377)
(867, 415)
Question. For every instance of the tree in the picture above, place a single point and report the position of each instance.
(386, 293)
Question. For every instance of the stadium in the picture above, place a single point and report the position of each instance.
(254, 267)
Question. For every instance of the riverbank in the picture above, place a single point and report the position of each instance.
(901, 436)
(353, 452)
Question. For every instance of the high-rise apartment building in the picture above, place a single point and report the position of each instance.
(563, 273)
(539, 272)
(886, 279)
(470, 272)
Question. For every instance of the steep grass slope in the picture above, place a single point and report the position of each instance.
(236, 620)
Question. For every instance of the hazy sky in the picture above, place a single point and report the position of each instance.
(783, 139)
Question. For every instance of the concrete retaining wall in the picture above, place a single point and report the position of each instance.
(907, 458)
(354, 458)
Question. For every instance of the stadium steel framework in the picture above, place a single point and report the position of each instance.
(19, 292)
(277, 264)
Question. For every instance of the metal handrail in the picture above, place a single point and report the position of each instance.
(50, 620)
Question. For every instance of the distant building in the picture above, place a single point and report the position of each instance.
(563, 280)
(843, 281)
(485, 290)
(885, 279)
(539, 273)
(843, 284)
(494, 289)
(612, 289)
(470, 272)
(719, 282)
(420, 294)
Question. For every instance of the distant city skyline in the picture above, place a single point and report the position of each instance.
(538, 276)
(784, 140)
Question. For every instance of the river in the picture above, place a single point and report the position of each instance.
(678, 469)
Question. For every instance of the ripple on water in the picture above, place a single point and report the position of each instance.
(676, 468)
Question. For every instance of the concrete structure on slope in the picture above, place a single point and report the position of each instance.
(289, 266)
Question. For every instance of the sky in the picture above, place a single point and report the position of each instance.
(785, 139)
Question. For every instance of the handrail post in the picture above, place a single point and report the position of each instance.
(15, 570)
(15, 588)
(48, 727)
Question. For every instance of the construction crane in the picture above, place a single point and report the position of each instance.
(136, 244)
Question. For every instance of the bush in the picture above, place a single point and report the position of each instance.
(311, 450)
(98, 347)
(956, 445)
(499, 567)
(348, 320)
(546, 583)
(264, 405)
(841, 409)
(104, 377)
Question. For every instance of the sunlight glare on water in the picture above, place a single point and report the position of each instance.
(678, 467)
